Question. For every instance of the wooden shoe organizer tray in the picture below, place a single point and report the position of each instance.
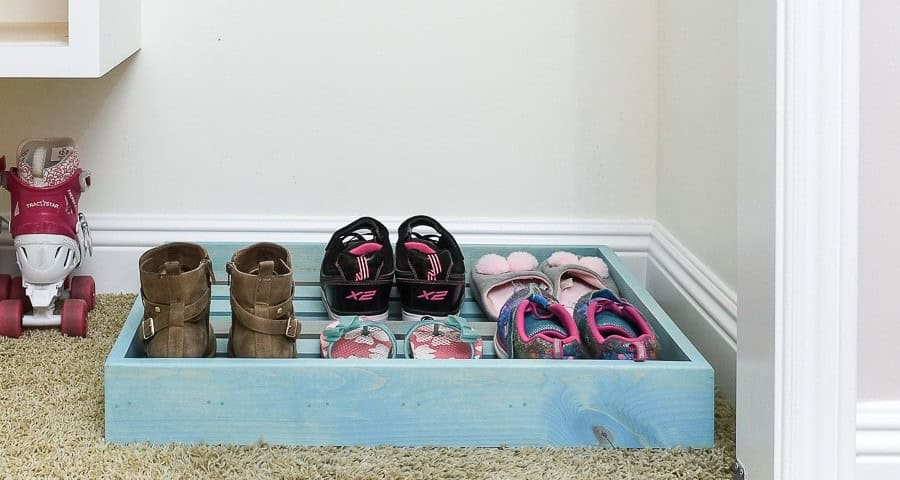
(666, 402)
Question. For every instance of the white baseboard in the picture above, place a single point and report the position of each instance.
(702, 305)
(149, 230)
(878, 440)
(119, 240)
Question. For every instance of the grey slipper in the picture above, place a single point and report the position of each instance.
(495, 279)
(572, 277)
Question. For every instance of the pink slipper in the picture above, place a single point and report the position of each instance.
(572, 277)
(495, 279)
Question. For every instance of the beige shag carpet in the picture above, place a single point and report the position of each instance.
(51, 426)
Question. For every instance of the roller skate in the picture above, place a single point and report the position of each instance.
(50, 238)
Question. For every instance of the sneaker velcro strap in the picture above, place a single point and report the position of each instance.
(289, 327)
(158, 316)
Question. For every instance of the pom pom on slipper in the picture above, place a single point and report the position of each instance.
(521, 261)
(596, 264)
(562, 258)
(492, 264)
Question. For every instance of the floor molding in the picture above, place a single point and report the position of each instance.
(702, 305)
(148, 230)
(878, 439)
(716, 299)
(119, 240)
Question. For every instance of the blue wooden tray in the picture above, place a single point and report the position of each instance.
(488, 402)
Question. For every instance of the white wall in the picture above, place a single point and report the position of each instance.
(456, 108)
(879, 222)
(697, 171)
(697, 129)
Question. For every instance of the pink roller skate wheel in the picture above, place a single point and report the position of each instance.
(83, 288)
(11, 318)
(73, 321)
(17, 292)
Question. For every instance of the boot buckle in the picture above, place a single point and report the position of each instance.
(291, 330)
(144, 329)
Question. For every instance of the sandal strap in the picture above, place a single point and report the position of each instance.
(348, 324)
(466, 333)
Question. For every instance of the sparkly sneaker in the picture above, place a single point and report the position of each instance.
(613, 329)
(357, 272)
(533, 324)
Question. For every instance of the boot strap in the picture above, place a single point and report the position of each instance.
(289, 327)
(153, 255)
(157, 316)
(210, 273)
(267, 270)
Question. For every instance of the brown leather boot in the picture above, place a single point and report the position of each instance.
(175, 289)
(262, 303)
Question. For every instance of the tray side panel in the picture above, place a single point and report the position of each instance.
(480, 403)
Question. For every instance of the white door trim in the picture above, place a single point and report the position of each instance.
(816, 238)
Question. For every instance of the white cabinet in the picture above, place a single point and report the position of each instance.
(67, 38)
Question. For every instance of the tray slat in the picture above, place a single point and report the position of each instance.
(311, 328)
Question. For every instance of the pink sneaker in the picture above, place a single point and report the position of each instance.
(613, 329)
